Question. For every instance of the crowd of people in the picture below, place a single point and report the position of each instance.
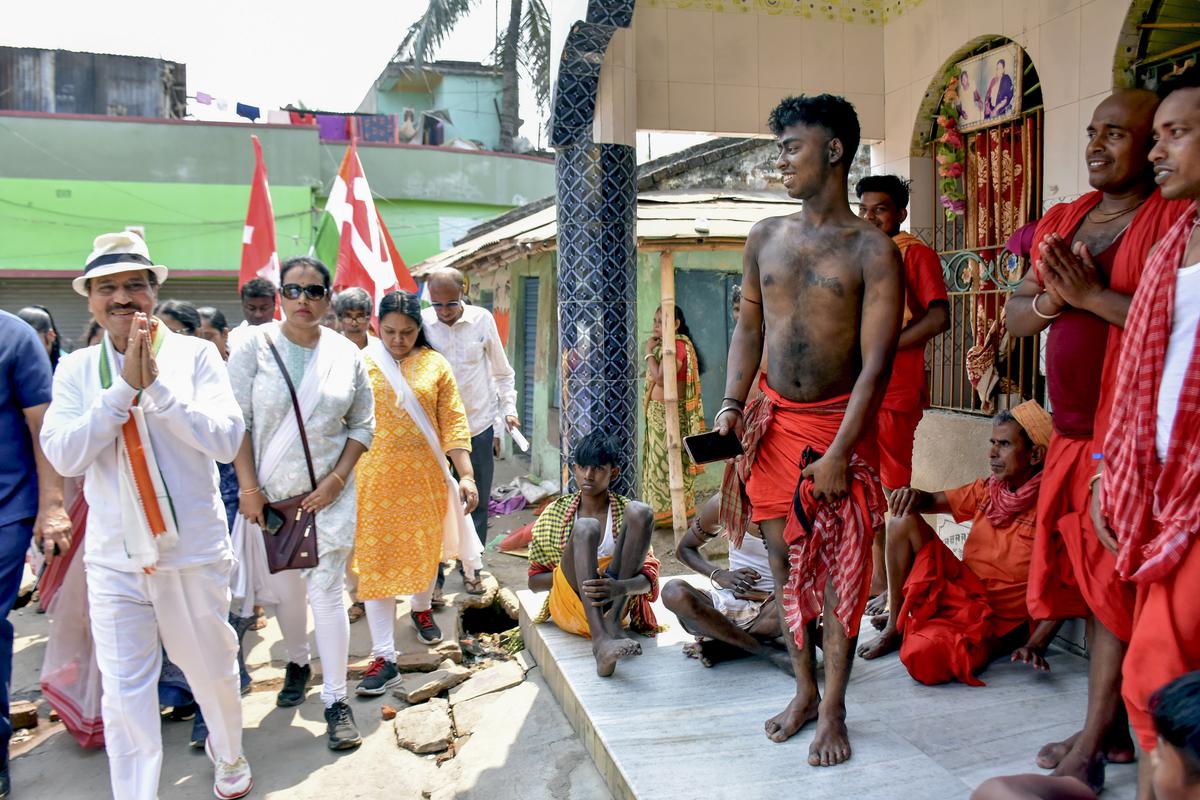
(158, 470)
(1089, 512)
(152, 464)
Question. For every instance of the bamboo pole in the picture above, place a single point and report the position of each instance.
(671, 398)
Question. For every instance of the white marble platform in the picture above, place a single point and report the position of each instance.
(665, 727)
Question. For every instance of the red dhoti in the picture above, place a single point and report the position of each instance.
(835, 544)
(1062, 509)
(946, 620)
(897, 430)
(1165, 642)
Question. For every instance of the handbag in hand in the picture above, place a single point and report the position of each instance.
(290, 535)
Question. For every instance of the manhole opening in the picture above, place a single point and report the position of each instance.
(490, 619)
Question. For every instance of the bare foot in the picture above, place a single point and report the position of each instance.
(1051, 754)
(831, 745)
(878, 604)
(799, 712)
(880, 621)
(711, 651)
(609, 651)
(887, 642)
(1089, 769)
(1118, 745)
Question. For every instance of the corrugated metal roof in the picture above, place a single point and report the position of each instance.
(661, 216)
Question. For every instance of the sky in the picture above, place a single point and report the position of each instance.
(268, 53)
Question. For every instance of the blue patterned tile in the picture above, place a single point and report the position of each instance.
(618, 13)
(597, 258)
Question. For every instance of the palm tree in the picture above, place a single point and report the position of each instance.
(525, 44)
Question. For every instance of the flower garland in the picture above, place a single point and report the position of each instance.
(951, 159)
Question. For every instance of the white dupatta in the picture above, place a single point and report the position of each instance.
(459, 539)
(251, 577)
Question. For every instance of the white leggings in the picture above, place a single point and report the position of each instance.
(332, 627)
(381, 617)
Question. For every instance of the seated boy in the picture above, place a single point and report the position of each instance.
(955, 616)
(591, 550)
(738, 616)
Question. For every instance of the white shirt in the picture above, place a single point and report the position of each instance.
(193, 420)
(238, 335)
(1184, 322)
(485, 378)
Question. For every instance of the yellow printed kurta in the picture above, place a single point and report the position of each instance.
(401, 489)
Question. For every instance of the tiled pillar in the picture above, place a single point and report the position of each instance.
(597, 246)
(597, 299)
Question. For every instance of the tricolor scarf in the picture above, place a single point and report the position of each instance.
(1153, 508)
(153, 528)
(1004, 505)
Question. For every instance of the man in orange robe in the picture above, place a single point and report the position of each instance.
(883, 201)
(949, 618)
(1147, 505)
(1087, 259)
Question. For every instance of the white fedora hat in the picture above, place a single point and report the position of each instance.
(117, 252)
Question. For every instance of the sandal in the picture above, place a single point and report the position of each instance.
(438, 600)
(473, 585)
(356, 612)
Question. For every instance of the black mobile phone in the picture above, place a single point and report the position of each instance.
(704, 448)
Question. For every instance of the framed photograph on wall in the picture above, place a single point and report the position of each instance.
(989, 88)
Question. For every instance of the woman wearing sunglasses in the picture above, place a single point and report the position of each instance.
(334, 395)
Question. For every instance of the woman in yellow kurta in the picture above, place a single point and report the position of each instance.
(402, 489)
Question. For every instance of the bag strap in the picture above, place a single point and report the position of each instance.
(295, 407)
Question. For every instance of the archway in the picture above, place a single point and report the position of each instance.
(988, 184)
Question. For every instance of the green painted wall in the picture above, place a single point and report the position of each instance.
(418, 227)
(50, 224)
(65, 180)
(470, 100)
(697, 272)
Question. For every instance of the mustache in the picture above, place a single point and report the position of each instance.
(122, 307)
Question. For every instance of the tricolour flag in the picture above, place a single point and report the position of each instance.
(353, 236)
(259, 257)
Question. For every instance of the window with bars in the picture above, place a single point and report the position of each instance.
(976, 367)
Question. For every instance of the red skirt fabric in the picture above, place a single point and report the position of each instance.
(1165, 642)
(795, 426)
(1053, 591)
(946, 620)
(897, 431)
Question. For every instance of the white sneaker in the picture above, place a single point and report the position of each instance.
(231, 779)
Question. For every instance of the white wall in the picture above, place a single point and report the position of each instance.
(1072, 44)
(723, 72)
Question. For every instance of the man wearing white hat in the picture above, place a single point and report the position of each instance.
(145, 415)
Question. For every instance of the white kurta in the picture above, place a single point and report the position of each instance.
(192, 421)
(346, 410)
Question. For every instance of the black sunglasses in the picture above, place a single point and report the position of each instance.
(292, 291)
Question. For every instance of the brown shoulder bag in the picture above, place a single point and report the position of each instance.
(290, 534)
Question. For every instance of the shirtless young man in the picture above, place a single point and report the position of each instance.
(827, 286)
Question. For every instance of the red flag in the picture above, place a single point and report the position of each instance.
(259, 258)
(366, 256)
(403, 277)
